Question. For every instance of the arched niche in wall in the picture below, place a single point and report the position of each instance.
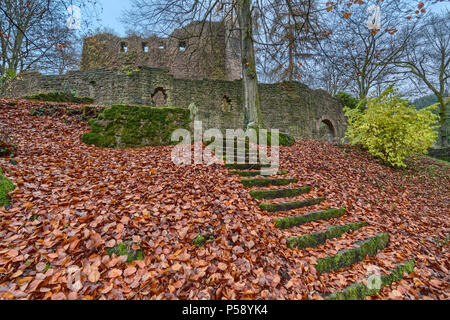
(159, 97)
(92, 85)
(326, 129)
(227, 104)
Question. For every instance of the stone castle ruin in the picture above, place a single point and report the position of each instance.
(174, 72)
(194, 52)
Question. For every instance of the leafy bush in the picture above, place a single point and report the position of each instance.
(347, 99)
(59, 96)
(390, 129)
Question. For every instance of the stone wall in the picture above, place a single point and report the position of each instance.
(194, 52)
(294, 108)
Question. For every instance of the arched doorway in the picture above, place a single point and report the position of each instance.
(326, 131)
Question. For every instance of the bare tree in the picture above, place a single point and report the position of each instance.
(287, 38)
(162, 17)
(427, 59)
(34, 34)
(364, 56)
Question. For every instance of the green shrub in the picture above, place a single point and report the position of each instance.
(347, 99)
(390, 129)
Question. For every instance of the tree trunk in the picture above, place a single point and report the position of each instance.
(252, 108)
(291, 51)
(443, 122)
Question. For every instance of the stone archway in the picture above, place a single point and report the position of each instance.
(326, 129)
(159, 97)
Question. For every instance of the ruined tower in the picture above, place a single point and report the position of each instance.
(198, 50)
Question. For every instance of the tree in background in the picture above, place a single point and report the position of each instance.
(162, 17)
(427, 60)
(288, 39)
(365, 57)
(34, 35)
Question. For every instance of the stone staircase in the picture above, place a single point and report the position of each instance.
(252, 178)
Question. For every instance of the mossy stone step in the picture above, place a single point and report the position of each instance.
(276, 207)
(290, 222)
(280, 193)
(316, 239)
(359, 291)
(247, 166)
(256, 173)
(265, 182)
(346, 258)
(246, 159)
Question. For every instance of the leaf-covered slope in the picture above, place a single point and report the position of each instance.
(74, 201)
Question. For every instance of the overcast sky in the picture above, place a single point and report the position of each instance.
(112, 10)
(111, 13)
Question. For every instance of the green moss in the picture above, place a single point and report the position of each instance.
(59, 96)
(98, 140)
(359, 291)
(265, 182)
(281, 193)
(283, 139)
(346, 258)
(255, 173)
(286, 223)
(123, 126)
(275, 207)
(199, 241)
(245, 159)
(5, 186)
(124, 249)
(319, 238)
(247, 166)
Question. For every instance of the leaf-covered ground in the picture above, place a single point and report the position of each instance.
(74, 201)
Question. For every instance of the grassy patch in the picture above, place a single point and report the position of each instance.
(316, 239)
(265, 182)
(290, 222)
(125, 249)
(275, 207)
(359, 291)
(5, 186)
(282, 193)
(346, 258)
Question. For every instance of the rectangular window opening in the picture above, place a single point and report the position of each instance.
(182, 45)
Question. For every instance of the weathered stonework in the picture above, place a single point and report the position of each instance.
(194, 52)
(298, 110)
